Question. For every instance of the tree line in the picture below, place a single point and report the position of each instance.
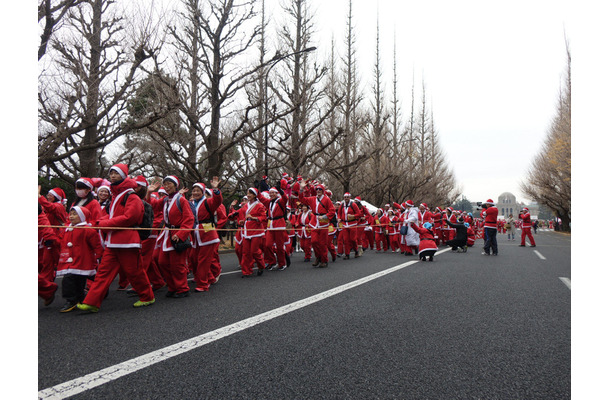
(196, 90)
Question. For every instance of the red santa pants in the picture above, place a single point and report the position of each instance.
(350, 238)
(369, 239)
(46, 288)
(50, 259)
(174, 270)
(319, 242)
(305, 244)
(149, 263)
(112, 259)
(202, 271)
(527, 232)
(251, 252)
(275, 237)
(380, 241)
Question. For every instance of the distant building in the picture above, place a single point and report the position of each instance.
(507, 204)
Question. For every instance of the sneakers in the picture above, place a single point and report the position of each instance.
(258, 273)
(485, 254)
(283, 267)
(141, 303)
(315, 264)
(323, 265)
(521, 245)
(179, 295)
(87, 307)
(122, 288)
(346, 257)
(69, 306)
(270, 266)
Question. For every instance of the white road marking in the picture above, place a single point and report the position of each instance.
(567, 282)
(111, 373)
(539, 255)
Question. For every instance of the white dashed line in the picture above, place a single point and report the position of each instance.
(539, 255)
(111, 373)
(567, 282)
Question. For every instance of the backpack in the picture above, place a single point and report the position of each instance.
(147, 218)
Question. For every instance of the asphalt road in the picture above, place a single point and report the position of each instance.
(465, 326)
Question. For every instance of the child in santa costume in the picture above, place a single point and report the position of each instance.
(122, 246)
(303, 230)
(80, 250)
(54, 208)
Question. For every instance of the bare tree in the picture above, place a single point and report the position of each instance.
(83, 92)
(52, 12)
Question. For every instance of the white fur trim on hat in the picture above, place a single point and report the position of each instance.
(80, 213)
(119, 171)
(173, 179)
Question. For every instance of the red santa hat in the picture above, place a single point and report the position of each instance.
(140, 180)
(254, 191)
(358, 198)
(106, 187)
(200, 186)
(265, 177)
(410, 203)
(449, 209)
(299, 178)
(208, 191)
(284, 175)
(87, 182)
(121, 169)
(347, 194)
(172, 178)
(424, 205)
(490, 202)
(526, 209)
(82, 212)
(162, 191)
(328, 193)
(438, 209)
(319, 186)
(274, 190)
(58, 193)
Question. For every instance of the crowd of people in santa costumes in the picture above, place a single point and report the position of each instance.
(154, 235)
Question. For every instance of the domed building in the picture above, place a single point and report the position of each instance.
(507, 204)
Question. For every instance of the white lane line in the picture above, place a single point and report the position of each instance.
(567, 282)
(539, 255)
(111, 373)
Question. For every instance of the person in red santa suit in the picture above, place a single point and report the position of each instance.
(80, 250)
(380, 227)
(55, 210)
(425, 214)
(362, 221)
(526, 227)
(339, 231)
(324, 211)
(348, 216)
(220, 219)
(85, 198)
(206, 240)
(490, 214)
(46, 238)
(427, 244)
(294, 192)
(122, 247)
(437, 219)
(470, 235)
(104, 198)
(255, 216)
(174, 239)
(239, 216)
(303, 230)
(276, 230)
(393, 234)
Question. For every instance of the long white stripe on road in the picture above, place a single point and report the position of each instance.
(109, 374)
(539, 255)
(567, 282)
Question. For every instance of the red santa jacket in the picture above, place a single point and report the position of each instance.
(491, 217)
(254, 216)
(527, 221)
(426, 238)
(346, 209)
(80, 250)
(276, 209)
(239, 216)
(205, 233)
(45, 234)
(56, 213)
(122, 215)
(302, 224)
(470, 236)
(221, 216)
(319, 206)
(174, 216)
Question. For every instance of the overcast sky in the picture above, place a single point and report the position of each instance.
(492, 74)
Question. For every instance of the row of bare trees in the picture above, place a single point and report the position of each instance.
(549, 178)
(194, 91)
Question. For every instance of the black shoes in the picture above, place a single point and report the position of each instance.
(258, 273)
(69, 306)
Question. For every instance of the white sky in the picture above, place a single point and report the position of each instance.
(492, 72)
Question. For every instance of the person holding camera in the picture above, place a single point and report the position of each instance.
(490, 214)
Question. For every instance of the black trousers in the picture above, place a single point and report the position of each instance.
(455, 243)
(73, 288)
(490, 240)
